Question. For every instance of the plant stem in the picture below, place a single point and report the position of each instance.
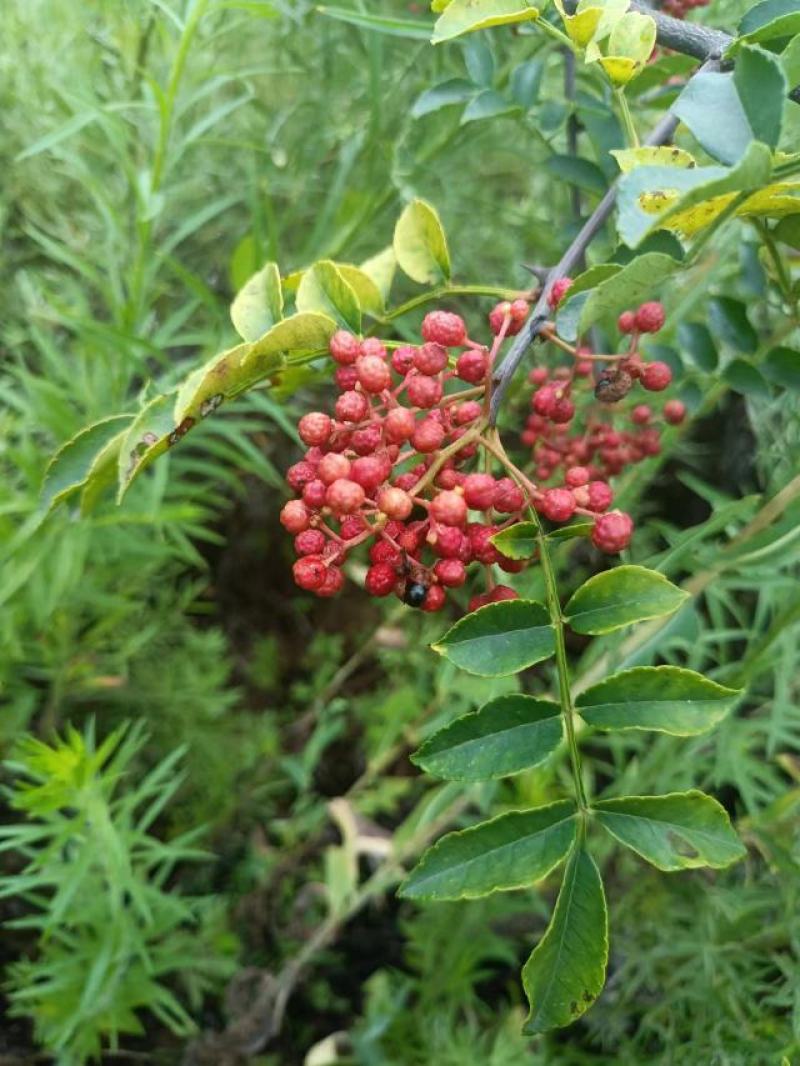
(557, 622)
(554, 32)
(784, 281)
(627, 119)
(449, 290)
(562, 665)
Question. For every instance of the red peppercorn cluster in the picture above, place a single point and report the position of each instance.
(405, 467)
(586, 449)
(680, 8)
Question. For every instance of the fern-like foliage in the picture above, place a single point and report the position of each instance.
(111, 934)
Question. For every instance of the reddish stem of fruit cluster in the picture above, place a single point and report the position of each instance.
(408, 465)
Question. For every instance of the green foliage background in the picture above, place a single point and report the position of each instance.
(147, 172)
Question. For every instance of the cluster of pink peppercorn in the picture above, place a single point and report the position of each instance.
(406, 465)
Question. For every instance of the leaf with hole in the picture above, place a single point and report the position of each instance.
(679, 831)
(514, 850)
(508, 734)
(566, 971)
(620, 597)
(501, 638)
(667, 699)
(420, 244)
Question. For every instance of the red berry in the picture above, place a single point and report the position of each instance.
(344, 496)
(295, 516)
(352, 406)
(483, 551)
(558, 291)
(442, 327)
(626, 323)
(314, 493)
(450, 572)
(557, 504)
(346, 378)
(403, 359)
(467, 412)
(381, 579)
(351, 527)
(428, 436)
(479, 490)
(314, 428)
(584, 368)
(332, 466)
(497, 316)
(344, 347)
(612, 532)
(519, 312)
(430, 359)
(650, 317)
(544, 401)
(641, 414)
(369, 471)
(309, 572)
(395, 503)
(655, 376)
(538, 375)
(423, 391)
(434, 599)
(334, 580)
(508, 496)
(502, 592)
(373, 347)
(399, 425)
(364, 441)
(300, 474)
(674, 412)
(309, 542)
(384, 552)
(451, 543)
(563, 411)
(449, 508)
(373, 373)
(472, 366)
(600, 495)
(576, 476)
(478, 601)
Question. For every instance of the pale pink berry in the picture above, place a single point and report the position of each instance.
(428, 436)
(430, 359)
(423, 391)
(650, 317)
(344, 496)
(344, 347)
(472, 366)
(479, 491)
(612, 532)
(295, 516)
(395, 503)
(449, 508)
(399, 425)
(443, 327)
(655, 376)
(352, 406)
(373, 373)
(674, 412)
(557, 504)
(314, 428)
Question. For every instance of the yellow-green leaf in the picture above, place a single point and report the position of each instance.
(367, 292)
(152, 432)
(307, 331)
(71, 466)
(381, 268)
(420, 244)
(662, 156)
(324, 288)
(259, 303)
(465, 16)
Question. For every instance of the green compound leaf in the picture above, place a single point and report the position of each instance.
(499, 639)
(566, 972)
(72, 465)
(679, 831)
(620, 597)
(465, 16)
(508, 734)
(512, 851)
(667, 699)
(323, 288)
(258, 304)
(307, 331)
(420, 244)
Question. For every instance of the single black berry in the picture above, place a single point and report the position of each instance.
(415, 594)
